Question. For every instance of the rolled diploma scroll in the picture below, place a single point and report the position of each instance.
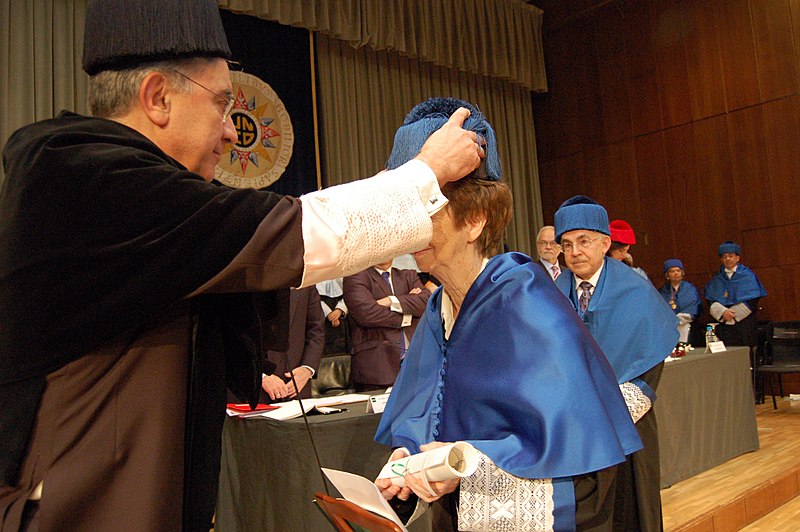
(459, 459)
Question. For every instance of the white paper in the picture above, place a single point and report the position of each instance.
(716, 347)
(459, 459)
(363, 492)
(291, 409)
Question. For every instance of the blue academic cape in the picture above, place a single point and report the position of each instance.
(520, 379)
(741, 287)
(633, 325)
(687, 299)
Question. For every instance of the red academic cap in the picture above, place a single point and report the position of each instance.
(622, 232)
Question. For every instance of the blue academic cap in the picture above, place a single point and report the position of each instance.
(673, 263)
(729, 246)
(581, 212)
(430, 115)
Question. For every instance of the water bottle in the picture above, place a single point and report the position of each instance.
(709, 334)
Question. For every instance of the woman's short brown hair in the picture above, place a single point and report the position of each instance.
(474, 198)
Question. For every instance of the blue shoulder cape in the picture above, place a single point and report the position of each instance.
(519, 378)
(742, 286)
(686, 300)
(633, 325)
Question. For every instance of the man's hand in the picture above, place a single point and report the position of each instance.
(301, 375)
(275, 387)
(452, 152)
(415, 291)
(335, 316)
(728, 315)
(384, 302)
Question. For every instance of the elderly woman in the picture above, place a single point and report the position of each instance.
(500, 360)
(681, 296)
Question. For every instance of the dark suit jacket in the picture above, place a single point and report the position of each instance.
(538, 262)
(306, 336)
(376, 333)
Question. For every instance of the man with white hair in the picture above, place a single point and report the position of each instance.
(548, 250)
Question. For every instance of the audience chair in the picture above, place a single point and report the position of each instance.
(782, 355)
(343, 514)
(333, 376)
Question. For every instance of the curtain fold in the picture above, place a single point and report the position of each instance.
(40, 66)
(494, 38)
(365, 94)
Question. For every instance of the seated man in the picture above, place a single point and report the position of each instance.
(385, 305)
(733, 293)
(681, 296)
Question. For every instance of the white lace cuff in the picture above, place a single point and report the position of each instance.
(638, 403)
(350, 227)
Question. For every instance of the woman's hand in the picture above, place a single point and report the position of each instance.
(389, 490)
(439, 488)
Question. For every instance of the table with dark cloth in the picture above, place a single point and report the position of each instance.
(705, 411)
(269, 474)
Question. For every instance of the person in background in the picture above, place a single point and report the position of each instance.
(385, 305)
(622, 238)
(733, 293)
(500, 360)
(337, 326)
(681, 296)
(126, 274)
(549, 251)
(635, 329)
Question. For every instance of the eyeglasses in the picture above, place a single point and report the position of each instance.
(546, 244)
(582, 244)
(225, 101)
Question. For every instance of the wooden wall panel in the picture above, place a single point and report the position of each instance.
(772, 29)
(644, 102)
(612, 76)
(683, 118)
(703, 60)
(738, 52)
(667, 19)
(782, 133)
(750, 169)
(656, 207)
(772, 307)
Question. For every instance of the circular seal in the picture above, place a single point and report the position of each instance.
(265, 136)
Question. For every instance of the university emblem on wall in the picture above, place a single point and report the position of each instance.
(264, 136)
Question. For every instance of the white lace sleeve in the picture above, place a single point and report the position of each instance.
(350, 227)
(638, 403)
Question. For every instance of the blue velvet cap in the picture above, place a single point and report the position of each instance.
(581, 212)
(673, 263)
(729, 246)
(430, 115)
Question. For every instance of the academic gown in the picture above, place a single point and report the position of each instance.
(636, 330)
(687, 298)
(519, 378)
(742, 287)
(97, 318)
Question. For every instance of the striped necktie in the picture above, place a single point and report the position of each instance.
(586, 295)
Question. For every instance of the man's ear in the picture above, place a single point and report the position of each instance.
(154, 98)
(606, 243)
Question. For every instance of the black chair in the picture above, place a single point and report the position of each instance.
(333, 376)
(782, 355)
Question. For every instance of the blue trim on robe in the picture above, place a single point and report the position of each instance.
(564, 504)
(519, 378)
(649, 392)
(743, 286)
(686, 300)
(633, 325)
